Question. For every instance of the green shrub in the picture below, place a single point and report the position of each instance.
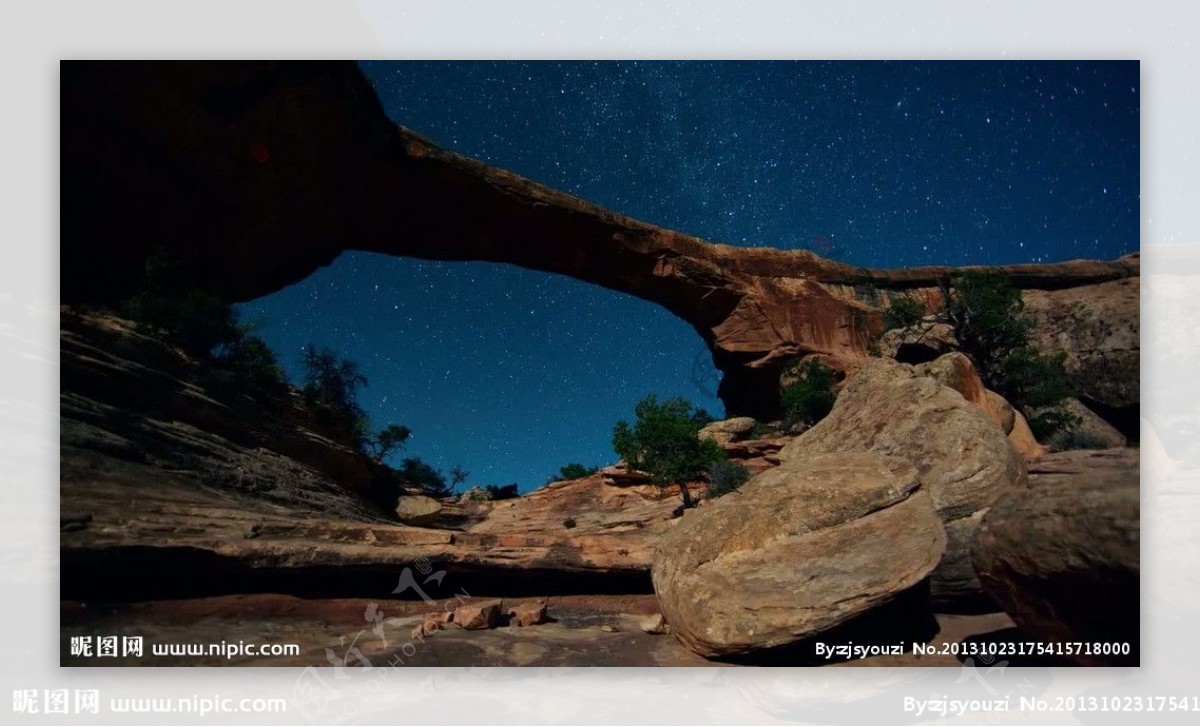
(572, 471)
(1052, 421)
(194, 320)
(230, 358)
(477, 494)
(1034, 379)
(663, 443)
(989, 321)
(905, 311)
(725, 477)
(502, 492)
(809, 397)
(246, 365)
(414, 471)
(987, 314)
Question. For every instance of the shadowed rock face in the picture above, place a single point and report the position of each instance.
(1098, 326)
(1062, 556)
(254, 175)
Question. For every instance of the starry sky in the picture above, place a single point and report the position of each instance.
(512, 373)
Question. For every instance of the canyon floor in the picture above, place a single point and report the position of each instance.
(582, 630)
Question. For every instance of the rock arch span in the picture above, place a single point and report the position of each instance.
(256, 174)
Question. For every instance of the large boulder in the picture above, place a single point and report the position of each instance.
(1091, 431)
(1062, 556)
(796, 551)
(1022, 439)
(478, 616)
(956, 371)
(964, 457)
(418, 510)
(1098, 328)
(1000, 411)
(728, 431)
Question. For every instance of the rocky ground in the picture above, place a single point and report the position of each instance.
(580, 631)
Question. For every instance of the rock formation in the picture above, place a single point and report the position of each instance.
(727, 431)
(1098, 326)
(173, 166)
(135, 413)
(527, 614)
(419, 510)
(232, 495)
(964, 459)
(654, 624)
(1062, 556)
(796, 551)
(1091, 432)
(918, 344)
(956, 371)
(475, 616)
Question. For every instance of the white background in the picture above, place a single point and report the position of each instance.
(34, 36)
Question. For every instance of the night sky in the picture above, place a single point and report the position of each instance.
(512, 373)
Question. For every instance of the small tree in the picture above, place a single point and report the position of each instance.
(987, 314)
(230, 358)
(331, 386)
(905, 311)
(388, 440)
(664, 443)
(458, 475)
(331, 381)
(417, 472)
(809, 397)
(989, 321)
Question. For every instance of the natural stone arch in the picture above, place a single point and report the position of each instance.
(256, 174)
